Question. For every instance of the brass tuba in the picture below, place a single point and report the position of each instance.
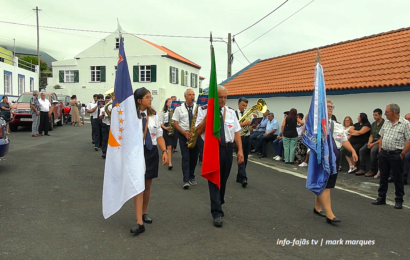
(107, 111)
(247, 116)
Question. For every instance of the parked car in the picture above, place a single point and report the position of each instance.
(65, 99)
(4, 140)
(20, 112)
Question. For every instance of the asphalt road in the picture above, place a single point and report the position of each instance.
(50, 208)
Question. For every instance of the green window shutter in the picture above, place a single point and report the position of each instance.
(176, 76)
(76, 76)
(182, 77)
(153, 73)
(192, 83)
(135, 73)
(170, 74)
(61, 76)
(196, 80)
(102, 69)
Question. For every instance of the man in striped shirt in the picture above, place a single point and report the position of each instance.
(395, 143)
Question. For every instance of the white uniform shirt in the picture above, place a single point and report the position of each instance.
(239, 115)
(105, 120)
(181, 116)
(164, 117)
(231, 124)
(91, 106)
(154, 127)
(44, 105)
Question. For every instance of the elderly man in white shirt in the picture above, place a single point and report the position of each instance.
(45, 113)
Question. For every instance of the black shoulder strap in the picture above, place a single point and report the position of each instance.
(236, 112)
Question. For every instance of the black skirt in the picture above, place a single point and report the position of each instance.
(169, 140)
(331, 182)
(151, 162)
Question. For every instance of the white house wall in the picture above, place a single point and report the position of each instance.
(103, 53)
(15, 70)
(345, 105)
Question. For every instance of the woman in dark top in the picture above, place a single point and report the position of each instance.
(290, 135)
(170, 141)
(5, 111)
(359, 133)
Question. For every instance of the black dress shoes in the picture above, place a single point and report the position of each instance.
(379, 201)
(146, 219)
(244, 183)
(319, 213)
(262, 156)
(138, 229)
(218, 221)
(398, 205)
(333, 221)
(170, 167)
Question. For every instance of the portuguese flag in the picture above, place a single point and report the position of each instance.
(210, 159)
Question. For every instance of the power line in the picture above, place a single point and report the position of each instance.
(94, 31)
(261, 18)
(277, 25)
(240, 50)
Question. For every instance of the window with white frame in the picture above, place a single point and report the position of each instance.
(95, 74)
(174, 75)
(193, 78)
(21, 84)
(117, 43)
(69, 76)
(186, 78)
(31, 84)
(7, 83)
(145, 73)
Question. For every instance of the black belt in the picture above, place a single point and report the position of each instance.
(226, 145)
(44, 111)
(393, 151)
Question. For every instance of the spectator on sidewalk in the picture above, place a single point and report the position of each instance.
(45, 113)
(359, 136)
(301, 148)
(290, 135)
(372, 146)
(395, 143)
(271, 132)
(278, 147)
(35, 114)
(347, 124)
(259, 131)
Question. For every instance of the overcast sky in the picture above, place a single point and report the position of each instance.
(320, 23)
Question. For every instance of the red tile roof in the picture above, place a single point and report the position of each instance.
(380, 60)
(172, 54)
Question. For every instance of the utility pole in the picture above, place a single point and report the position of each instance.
(229, 56)
(38, 47)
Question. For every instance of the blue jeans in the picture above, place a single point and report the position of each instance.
(278, 147)
(255, 137)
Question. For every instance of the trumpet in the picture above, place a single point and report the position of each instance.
(247, 116)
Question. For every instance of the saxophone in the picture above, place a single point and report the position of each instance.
(247, 116)
(171, 123)
(192, 142)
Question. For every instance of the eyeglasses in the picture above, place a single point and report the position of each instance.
(223, 97)
(331, 107)
(149, 98)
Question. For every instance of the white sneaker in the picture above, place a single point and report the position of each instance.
(278, 158)
(352, 169)
(274, 158)
(303, 164)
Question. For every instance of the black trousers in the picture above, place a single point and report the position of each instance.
(105, 130)
(92, 132)
(391, 163)
(216, 195)
(43, 123)
(189, 159)
(263, 141)
(96, 125)
(200, 144)
(246, 148)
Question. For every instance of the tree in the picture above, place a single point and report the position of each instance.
(32, 60)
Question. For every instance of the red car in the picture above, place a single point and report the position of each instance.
(21, 116)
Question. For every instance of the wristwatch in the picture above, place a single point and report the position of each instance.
(165, 151)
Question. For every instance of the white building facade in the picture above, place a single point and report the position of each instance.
(17, 80)
(154, 67)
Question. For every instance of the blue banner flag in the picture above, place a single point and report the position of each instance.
(175, 104)
(125, 164)
(317, 136)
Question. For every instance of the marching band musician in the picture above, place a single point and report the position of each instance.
(246, 143)
(105, 129)
(152, 132)
(170, 141)
(183, 117)
(230, 132)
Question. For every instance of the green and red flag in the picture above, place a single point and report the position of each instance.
(210, 159)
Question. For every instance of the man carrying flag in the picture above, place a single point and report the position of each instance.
(324, 137)
(125, 165)
(219, 128)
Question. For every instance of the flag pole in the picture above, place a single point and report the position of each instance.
(318, 59)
